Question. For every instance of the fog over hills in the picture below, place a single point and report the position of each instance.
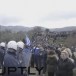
(15, 28)
(70, 28)
(26, 29)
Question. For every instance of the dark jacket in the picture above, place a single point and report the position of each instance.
(2, 53)
(10, 60)
(40, 58)
(65, 68)
(52, 63)
(36, 56)
(20, 57)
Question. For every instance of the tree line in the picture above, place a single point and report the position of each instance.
(39, 36)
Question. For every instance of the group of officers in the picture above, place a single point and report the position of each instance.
(55, 61)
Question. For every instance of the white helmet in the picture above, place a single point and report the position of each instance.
(12, 45)
(2, 44)
(20, 44)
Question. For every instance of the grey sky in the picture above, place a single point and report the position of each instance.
(46, 13)
(4, 20)
(60, 16)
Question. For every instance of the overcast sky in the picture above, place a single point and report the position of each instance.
(45, 13)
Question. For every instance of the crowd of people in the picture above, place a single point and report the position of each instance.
(55, 60)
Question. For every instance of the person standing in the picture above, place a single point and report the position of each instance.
(11, 60)
(2, 53)
(65, 65)
(20, 47)
(52, 61)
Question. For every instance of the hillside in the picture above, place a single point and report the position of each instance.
(26, 29)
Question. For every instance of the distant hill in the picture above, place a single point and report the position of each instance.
(15, 28)
(26, 29)
(70, 28)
